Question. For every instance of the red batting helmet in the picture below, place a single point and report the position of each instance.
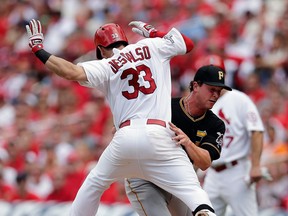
(211, 60)
(108, 34)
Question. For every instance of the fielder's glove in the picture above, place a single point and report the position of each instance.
(142, 28)
(36, 38)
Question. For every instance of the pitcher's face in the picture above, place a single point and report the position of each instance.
(208, 95)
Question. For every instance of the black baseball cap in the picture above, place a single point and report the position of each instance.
(211, 75)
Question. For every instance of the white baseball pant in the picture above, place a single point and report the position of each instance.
(141, 151)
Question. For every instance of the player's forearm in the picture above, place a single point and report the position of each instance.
(188, 42)
(57, 65)
(200, 156)
(65, 69)
(256, 147)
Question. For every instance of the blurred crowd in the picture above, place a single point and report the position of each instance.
(52, 131)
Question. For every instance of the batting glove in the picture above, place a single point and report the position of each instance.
(36, 38)
(142, 28)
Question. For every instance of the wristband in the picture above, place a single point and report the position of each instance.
(42, 55)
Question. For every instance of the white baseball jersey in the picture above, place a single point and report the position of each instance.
(240, 119)
(129, 78)
(137, 84)
(228, 187)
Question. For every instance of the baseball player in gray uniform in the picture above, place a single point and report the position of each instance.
(192, 114)
(136, 81)
(230, 179)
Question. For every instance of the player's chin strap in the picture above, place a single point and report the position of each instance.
(204, 210)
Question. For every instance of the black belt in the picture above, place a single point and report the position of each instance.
(149, 121)
(222, 167)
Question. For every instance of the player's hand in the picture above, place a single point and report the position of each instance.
(180, 137)
(257, 173)
(36, 38)
(142, 28)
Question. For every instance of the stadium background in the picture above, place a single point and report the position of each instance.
(52, 131)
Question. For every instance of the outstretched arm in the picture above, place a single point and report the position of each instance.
(59, 66)
(150, 31)
(66, 69)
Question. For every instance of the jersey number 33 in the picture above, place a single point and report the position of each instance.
(141, 72)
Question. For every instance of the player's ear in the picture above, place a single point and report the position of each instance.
(191, 86)
(106, 52)
(102, 51)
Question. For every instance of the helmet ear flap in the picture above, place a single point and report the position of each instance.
(98, 54)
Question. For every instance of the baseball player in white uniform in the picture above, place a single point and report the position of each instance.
(136, 81)
(231, 179)
(226, 181)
